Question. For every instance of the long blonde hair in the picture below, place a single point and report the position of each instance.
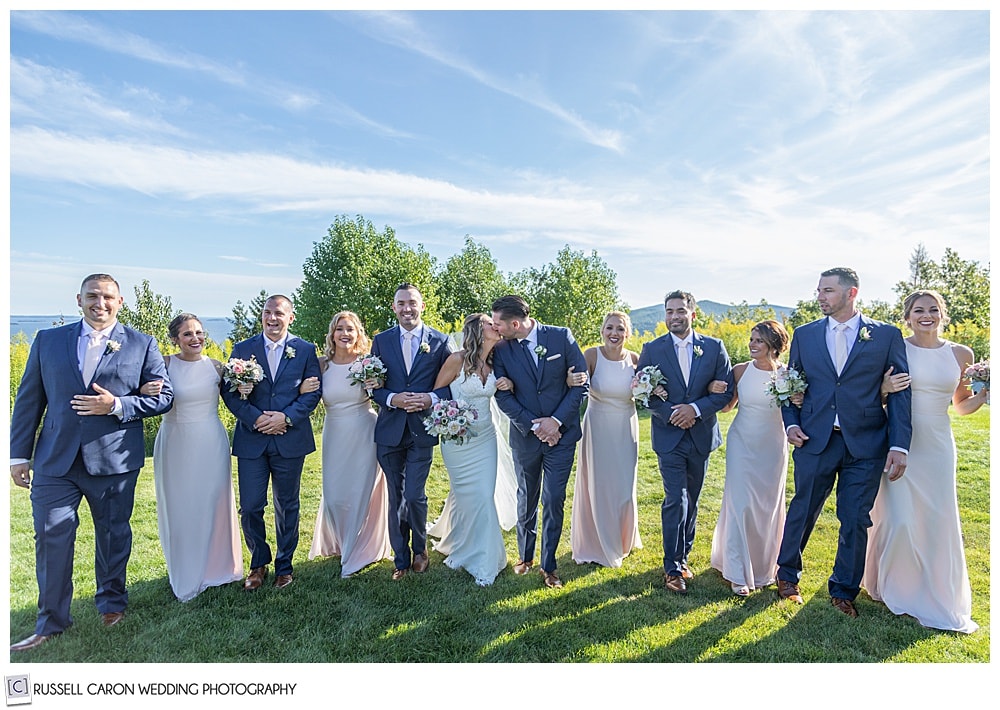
(361, 346)
(472, 342)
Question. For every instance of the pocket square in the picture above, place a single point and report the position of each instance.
(553, 357)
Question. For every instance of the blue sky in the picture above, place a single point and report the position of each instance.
(735, 155)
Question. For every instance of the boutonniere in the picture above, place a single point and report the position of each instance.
(289, 352)
(864, 335)
(698, 352)
(540, 350)
(425, 348)
(112, 347)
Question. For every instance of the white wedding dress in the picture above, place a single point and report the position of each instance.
(470, 527)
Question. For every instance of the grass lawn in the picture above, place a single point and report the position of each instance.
(603, 615)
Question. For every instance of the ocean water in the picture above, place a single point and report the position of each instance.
(216, 328)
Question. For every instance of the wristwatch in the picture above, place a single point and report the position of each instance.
(288, 421)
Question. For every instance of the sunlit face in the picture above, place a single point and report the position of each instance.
(759, 349)
(345, 336)
(408, 304)
(276, 317)
(190, 339)
(100, 303)
(490, 334)
(835, 299)
(614, 332)
(925, 315)
(508, 329)
(678, 317)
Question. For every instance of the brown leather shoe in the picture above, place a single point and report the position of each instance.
(550, 579)
(30, 643)
(282, 581)
(675, 583)
(421, 563)
(398, 574)
(523, 567)
(112, 617)
(844, 605)
(686, 572)
(789, 591)
(255, 579)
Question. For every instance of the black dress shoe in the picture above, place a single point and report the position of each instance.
(30, 643)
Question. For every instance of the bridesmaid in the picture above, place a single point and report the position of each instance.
(353, 512)
(752, 515)
(916, 560)
(604, 524)
(195, 505)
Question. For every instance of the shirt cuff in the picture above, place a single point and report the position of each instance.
(15, 462)
(388, 400)
(117, 410)
(900, 449)
(696, 409)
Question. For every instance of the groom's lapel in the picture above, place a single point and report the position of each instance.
(697, 343)
(859, 343)
(283, 360)
(543, 340)
(118, 336)
(72, 342)
(259, 351)
(820, 345)
(670, 355)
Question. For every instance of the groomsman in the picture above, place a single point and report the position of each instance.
(684, 428)
(842, 433)
(412, 353)
(85, 379)
(272, 437)
(544, 423)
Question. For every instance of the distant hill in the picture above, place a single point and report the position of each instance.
(647, 318)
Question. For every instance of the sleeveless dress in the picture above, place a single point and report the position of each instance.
(353, 515)
(192, 471)
(752, 513)
(474, 541)
(915, 561)
(604, 523)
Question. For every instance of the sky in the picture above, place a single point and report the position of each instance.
(732, 154)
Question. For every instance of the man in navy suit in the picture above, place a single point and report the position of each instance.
(684, 427)
(413, 354)
(272, 437)
(85, 379)
(544, 423)
(842, 433)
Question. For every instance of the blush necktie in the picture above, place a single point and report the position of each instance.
(840, 346)
(408, 351)
(92, 356)
(684, 361)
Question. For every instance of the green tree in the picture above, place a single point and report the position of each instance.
(469, 282)
(151, 314)
(246, 319)
(805, 311)
(576, 291)
(964, 284)
(356, 268)
(743, 312)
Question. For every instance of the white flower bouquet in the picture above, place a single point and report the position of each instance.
(452, 420)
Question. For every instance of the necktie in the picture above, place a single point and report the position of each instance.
(684, 361)
(526, 347)
(272, 358)
(408, 350)
(840, 346)
(92, 356)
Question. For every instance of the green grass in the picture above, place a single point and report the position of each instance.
(600, 615)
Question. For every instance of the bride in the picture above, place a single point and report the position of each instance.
(473, 541)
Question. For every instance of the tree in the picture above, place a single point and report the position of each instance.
(965, 285)
(469, 283)
(246, 319)
(357, 268)
(743, 312)
(805, 311)
(151, 314)
(576, 291)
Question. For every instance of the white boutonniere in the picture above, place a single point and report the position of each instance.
(112, 347)
(289, 352)
(424, 348)
(540, 350)
(864, 335)
(698, 352)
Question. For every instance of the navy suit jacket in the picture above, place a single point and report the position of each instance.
(712, 364)
(52, 378)
(278, 394)
(391, 422)
(542, 392)
(868, 428)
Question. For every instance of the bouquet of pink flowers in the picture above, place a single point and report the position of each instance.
(786, 382)
(644, 382)
(452, 420)
(978, 376)
(238, 372)
(366, 367)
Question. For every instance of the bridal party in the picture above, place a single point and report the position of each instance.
(519, 413)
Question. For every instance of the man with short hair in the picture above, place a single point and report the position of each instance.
(272, 437)
(85, 379)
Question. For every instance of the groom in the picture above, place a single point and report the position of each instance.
(842, 433)
(413, 354)
(544, 423)
(684, 427)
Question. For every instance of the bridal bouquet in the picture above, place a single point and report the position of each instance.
(785, 382)
(644, 382)
(978, 376)
(451, 419)
(366, 367)
(238, 372)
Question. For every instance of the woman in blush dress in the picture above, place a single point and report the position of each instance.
(192, 470)
(353, 512)
(916, 561)
(604, 523)
(474, 541)
(752, 515)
